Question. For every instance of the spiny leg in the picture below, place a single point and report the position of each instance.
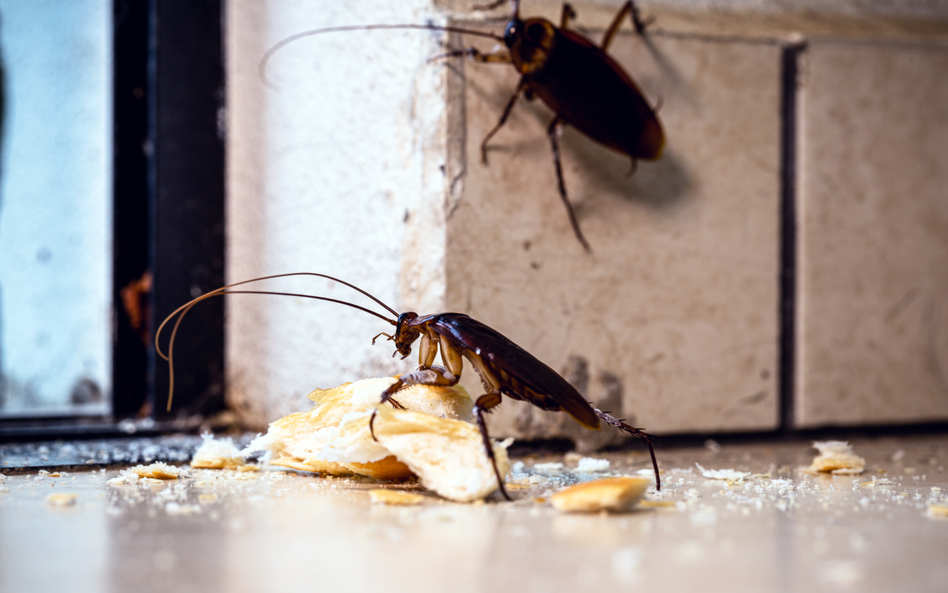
(484, 404)
(553, 132)
(432, 376)
(568, 14)
(521, 86)
(628, 8)
(636, 432)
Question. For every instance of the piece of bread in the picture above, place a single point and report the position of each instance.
(433, 438)
(447, 455)
(836, 457)
(607, 494)
(217, 454)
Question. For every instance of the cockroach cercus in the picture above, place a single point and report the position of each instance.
(504, 367)
(576, 78)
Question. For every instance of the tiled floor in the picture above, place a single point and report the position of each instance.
(220, 530)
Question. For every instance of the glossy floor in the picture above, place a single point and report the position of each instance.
(776, 529)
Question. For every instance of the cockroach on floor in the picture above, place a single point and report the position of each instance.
(573, 76)
(504, 367)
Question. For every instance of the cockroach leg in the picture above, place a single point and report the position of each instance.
(484, 404)
(503, 118)
(553, 132)
(490, 6)
(432, 376)
(568, 14)
(636, 432)
(629, 8)
(497, 57)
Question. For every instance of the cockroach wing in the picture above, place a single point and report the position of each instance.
(591, 92)
(524, 377)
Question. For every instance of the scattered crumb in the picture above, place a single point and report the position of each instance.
(63, 499)
(731, 476)
(938, 511)
(395, 497)
(591, 465)
(877, 482)
(207, 498)
(248, 468)
(551, 467)
(217, 454)
(836, 457)
(175, 508)
(153, 474)
(607, 494)
(658, 504)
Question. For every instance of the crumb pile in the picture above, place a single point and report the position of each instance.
(836, 457)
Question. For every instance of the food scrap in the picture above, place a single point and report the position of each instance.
(155, 472)
(217, 454)
(63, 499)
(731, 476)
(395, 497)
(607, 494)
(836, 457)
(432, 439)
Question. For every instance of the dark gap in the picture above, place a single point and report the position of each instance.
(188, 199)
(130, 206)
(788, 231)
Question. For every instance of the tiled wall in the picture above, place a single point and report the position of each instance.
(832, 144)
(785, 262)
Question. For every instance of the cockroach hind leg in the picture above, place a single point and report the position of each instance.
(633, 167)
(479, 415)
(639, 434)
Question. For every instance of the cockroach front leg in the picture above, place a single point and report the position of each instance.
(522, 87)
(425, 376)
(501, 56)
(484, 404)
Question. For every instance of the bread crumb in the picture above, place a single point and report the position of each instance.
(432, 438)
(938, 511)
(207, 498)
(175, 508)
(217, 454)
(63, 499)
(152, 474)
(836, 457)
(591, 464)
(607, 494)
(395, 497)
(731, 476)
(658, 504)
(447, 455)
(248, 468)
(333, 438)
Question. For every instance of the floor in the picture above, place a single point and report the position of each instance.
(777, 529)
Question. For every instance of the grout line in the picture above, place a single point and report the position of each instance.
(788, 232)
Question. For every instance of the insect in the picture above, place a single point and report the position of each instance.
(574, 77)
(504, 367)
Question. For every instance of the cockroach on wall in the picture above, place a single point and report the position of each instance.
(573, 76)
(504, 367)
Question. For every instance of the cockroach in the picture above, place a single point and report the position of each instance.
(504, 367)
(574, 77)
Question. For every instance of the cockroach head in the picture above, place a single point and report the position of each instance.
(405, 334)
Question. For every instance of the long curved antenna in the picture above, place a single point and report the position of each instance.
(262, 68)
(183, 310)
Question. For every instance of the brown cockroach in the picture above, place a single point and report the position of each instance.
(504, 367)
(574, 77)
